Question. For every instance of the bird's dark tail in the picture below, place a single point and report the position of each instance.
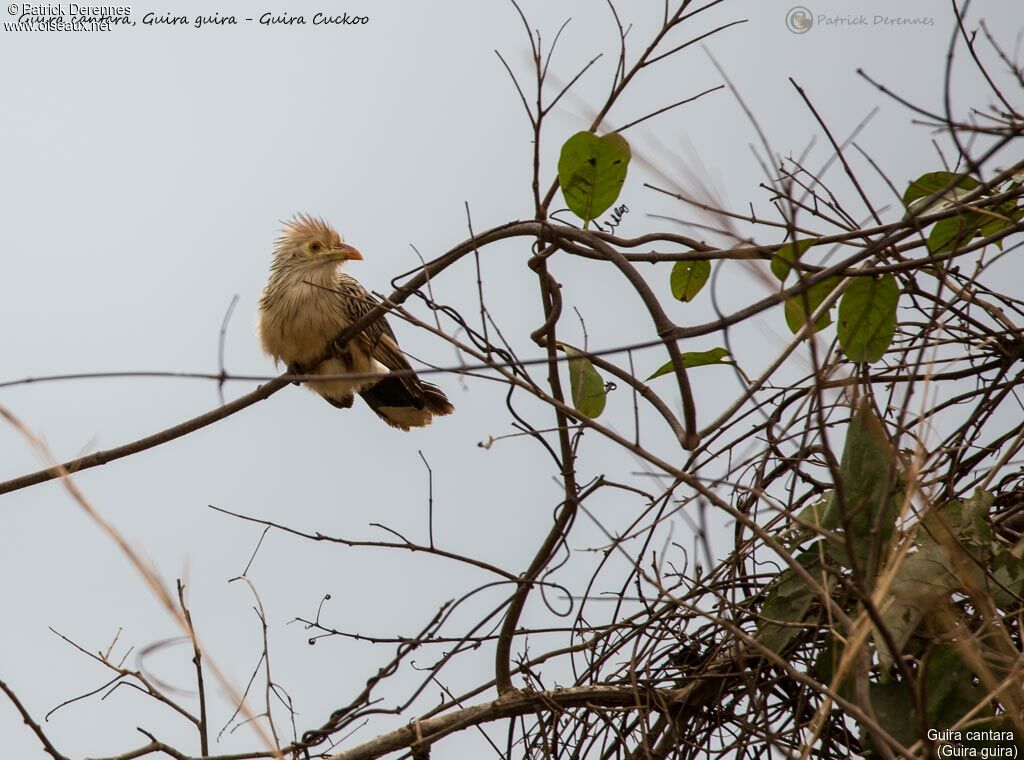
(435, 399)
(406, 402)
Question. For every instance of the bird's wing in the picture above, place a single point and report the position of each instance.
(377, 338)
(404, 401)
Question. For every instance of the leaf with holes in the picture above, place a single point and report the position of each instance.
(867, 317)
(591, 171)
(688, 277)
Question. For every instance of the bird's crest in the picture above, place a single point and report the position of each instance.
(303, 228)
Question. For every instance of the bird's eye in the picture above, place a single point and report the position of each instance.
(315, 247)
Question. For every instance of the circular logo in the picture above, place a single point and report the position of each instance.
(799, 20)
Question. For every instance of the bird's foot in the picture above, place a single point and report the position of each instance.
(342, 402)
(297, 368)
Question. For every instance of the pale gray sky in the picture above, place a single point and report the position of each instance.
(145, 171)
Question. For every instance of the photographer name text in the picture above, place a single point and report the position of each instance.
(70, 9)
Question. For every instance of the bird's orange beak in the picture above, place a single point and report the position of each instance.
(346, 251)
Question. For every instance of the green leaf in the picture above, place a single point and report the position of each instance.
(788, 601)
(867, 317)
(929, 184)
(812, 521)
(695, 359)
(923, 581)
(948, 691)
(894, 709)
(797, 313)
(591, 171)
(1017, 550)
(952, 548)
(688, 277)
(1009, 214)
(829, 655)
(782, 260)
(587, 386)
(953, 233)
(870, 499)
(969, 521)
(1007, 581)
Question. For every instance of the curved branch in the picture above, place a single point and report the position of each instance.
(512, 704)
(666, 327)
(567, 510)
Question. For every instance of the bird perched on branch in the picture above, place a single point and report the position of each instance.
(309, 301)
